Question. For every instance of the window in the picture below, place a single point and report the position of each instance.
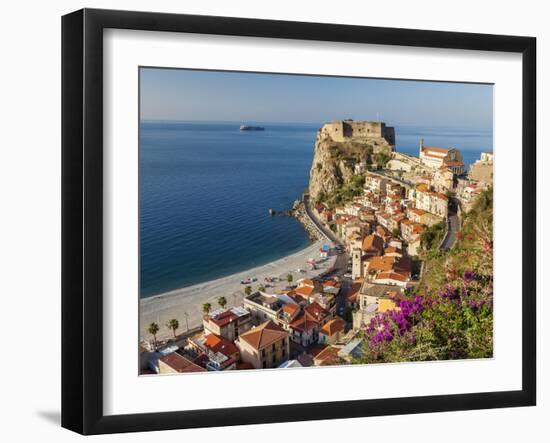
(273, 347)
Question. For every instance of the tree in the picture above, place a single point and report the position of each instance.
(206, 308)
(289, 277)
(153, 329)
(222, 301)
(173, 324)
(381, 159)
(261, 288)
(395, 232)
(248, 290)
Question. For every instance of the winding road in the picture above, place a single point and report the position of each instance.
(453, 226)
(341, 263)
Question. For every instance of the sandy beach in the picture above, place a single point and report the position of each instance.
(187, 302)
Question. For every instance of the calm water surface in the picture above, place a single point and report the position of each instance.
(205, 191)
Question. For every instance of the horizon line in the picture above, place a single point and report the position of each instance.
(166, 120)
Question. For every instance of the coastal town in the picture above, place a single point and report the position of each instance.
(374, 215)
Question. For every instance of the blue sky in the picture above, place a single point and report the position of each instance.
(177, 94)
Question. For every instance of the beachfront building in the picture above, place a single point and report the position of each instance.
(263, 307)
(212, 344)
(264, 346)
(228, 323)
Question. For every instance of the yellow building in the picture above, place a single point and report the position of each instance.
(264, 346)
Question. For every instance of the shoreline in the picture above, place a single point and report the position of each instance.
(189, 300)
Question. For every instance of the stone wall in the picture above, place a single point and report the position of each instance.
(341, 131)
(482, 171)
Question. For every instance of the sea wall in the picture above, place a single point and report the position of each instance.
(299, 211)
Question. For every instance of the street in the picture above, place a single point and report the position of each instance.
(340, 265)
(453, 226)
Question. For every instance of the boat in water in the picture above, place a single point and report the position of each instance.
(251, 128)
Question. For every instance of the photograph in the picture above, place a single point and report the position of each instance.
(292, 221)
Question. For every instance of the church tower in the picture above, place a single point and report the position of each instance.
(420, 147)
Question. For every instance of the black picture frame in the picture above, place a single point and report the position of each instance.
(82, 220)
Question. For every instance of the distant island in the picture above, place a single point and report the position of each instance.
(251, 128)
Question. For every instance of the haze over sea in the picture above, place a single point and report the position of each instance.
(206, 187)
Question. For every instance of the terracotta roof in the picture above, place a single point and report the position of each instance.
(381, 263)
(180, 364)
(305, 290)
(220, 344)
(224, 318)
(316, 311)
(328, 356)
(331, 283)
(391, 276)
(333, 326)
(418, 228)
(304, 323)
(291, 308)
(435, 149)
(316, 349)
(391, 250)
(382, 231)
(417, 211)
(373, 242)
(430, 154)
(263, 335)
(306, 282)
(311, 318)
(439, 195)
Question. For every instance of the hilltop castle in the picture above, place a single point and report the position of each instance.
(350, 130)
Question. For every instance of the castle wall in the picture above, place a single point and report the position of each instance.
(341, 131)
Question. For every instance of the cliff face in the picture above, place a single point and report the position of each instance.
(335, 162)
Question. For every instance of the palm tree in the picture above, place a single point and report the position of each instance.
(222, 301)
(153, 329)
(173, 324)
(206, 308)
(248, 290)
(289, 277)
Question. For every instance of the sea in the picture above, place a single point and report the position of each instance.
(206, 189)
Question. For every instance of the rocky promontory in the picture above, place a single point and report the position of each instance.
(344, 149)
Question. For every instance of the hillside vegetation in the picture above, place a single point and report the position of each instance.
(450, 314)
(333, 178)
